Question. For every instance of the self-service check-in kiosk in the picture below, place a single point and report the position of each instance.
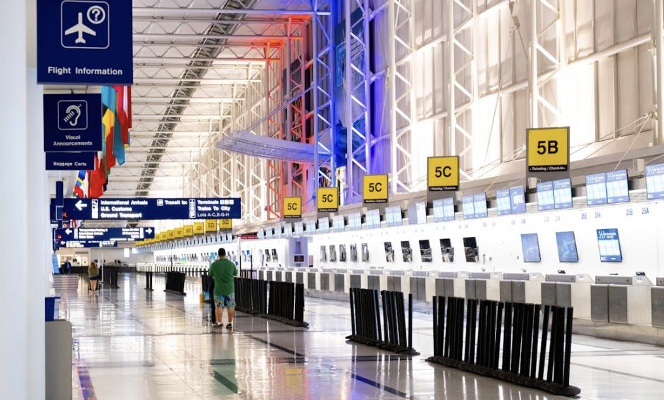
(621, 300)
(451, 284)
(657, 303)
(521, 287)
(566, 290)
(483, 285)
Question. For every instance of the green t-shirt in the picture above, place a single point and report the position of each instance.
(223, 272)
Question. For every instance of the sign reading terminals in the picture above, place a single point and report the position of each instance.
(374, 189)
(87, 42)
(327, 199)
(151, 208)
(443, 173)
(548, 149)
(292, 207)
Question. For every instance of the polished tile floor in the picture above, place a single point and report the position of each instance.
(131, 344)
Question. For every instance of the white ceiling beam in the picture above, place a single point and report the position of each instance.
(202, 81)
(185, 60)
(161, 100)
(216, 11)
(172, 37)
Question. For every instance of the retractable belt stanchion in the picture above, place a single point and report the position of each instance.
(517, 326)
(148, 281)
(280, 301)
(393, 334)
(175, 283)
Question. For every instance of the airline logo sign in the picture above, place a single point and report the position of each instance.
(188, 230)
(211, 225)
(199, 228)
(327, 199)
(374, 189)
(225, 224)
(548, 149)
(292, 207)
(443, 173)
(84, 42)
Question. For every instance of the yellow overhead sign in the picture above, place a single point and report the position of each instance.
(292, 207)
(199, 228)
(225, 224)
(327, 199)
(443, 173)
(210, 225)
(179, 233)
(171, 234)
(374, 188)
(548, 149)
(188, 230)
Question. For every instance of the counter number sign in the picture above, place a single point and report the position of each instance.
(327, 199)
(292, 207)
(225, 224)
(548, 149)
(374, 189)
(210, 225)
(199, 228)
(443, 173)
(188, 230)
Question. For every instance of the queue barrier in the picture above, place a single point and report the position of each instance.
(366, 329)
(109, 276)
(175, 283)
(279, 301)
(148, 280)
(522, 342)
(206, 282)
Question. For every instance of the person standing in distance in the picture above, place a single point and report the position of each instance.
(223, 271)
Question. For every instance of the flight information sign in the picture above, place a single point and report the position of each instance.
(105, 234)
(110, 209)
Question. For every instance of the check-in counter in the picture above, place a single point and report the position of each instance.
(483, 285)
(451, 284)
(521, 287)
(377, 279)
(567, 290)
(399, 281)
(621, 300)
(358, 279)
(422, 285)
(657, 303)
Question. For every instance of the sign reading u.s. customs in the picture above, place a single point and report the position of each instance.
(374, 189)
(84, 42)
(327, 199)
(292, 207)
(443, 173)
(548, 149)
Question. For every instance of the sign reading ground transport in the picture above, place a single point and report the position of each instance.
(84, 42)
(105, 234)
(152, 208)
(443, 173)
(374, 189)
(548, 149)
(72, 122)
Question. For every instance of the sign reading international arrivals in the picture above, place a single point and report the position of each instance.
(84, 42)
(110, 209)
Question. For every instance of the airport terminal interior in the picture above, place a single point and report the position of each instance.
(332, 199)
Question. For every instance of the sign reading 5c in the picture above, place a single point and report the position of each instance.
(443, 173)
(374, 189)
(548, 149)
(292, 207)
(328, 199)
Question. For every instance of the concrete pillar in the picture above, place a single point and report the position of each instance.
(22, 286)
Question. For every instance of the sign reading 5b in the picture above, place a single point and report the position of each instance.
(548, 149)
(328, 199)
(443, 173)
(374, 189)
(292, 207)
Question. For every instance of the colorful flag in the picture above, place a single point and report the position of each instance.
(108, 100)
(81, 186)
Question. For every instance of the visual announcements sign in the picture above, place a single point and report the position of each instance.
(84, 42)
(152, 208)
(548, 149)
(72, 122)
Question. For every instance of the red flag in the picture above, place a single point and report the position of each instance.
(121, 111)
(97, 179)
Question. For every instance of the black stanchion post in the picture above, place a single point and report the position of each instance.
(352, 312)
(568, 346)
(533, 363)
(435, 325)
(545, 331)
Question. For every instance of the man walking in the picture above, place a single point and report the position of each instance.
(223, 271)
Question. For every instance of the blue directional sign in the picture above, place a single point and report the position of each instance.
(84, 42)
(105, 234)
(86, 244)
(70, 161)
(72, 122)
(152, 208)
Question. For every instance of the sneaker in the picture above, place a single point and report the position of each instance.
(229, 326)
(217, 326)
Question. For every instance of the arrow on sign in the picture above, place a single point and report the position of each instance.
(148, 230)
(80, 205)
(68, 231)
